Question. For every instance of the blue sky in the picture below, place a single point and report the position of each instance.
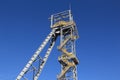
(24, 25)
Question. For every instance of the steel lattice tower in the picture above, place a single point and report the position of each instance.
(63, 25)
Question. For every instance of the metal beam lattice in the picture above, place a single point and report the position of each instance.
(63, 25)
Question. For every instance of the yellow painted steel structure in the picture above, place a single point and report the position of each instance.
(68, 34)
(62, 25)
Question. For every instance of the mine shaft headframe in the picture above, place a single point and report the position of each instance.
(62, 25)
